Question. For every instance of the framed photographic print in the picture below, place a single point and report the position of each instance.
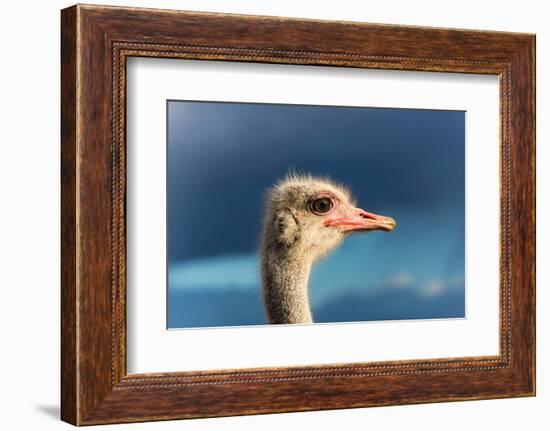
(264, 214)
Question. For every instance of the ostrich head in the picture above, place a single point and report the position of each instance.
(310, 216)
(306, 217)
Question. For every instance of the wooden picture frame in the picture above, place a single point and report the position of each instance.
(95, 43)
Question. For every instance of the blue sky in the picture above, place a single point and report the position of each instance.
(408, 164)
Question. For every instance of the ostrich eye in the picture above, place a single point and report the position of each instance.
(321, 205)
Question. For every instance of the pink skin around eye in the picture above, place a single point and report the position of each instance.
(325, 195)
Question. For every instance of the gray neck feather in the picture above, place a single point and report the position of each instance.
(285, 278)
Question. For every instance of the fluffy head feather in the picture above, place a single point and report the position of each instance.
(292, 184)
(289, 222)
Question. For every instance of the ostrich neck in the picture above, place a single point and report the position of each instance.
(285, 279)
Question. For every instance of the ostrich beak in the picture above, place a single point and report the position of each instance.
(360, 220)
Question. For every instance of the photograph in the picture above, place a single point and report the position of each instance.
(310, 214)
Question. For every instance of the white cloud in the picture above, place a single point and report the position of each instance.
(401, 280)
(236, 271)
(433, 288)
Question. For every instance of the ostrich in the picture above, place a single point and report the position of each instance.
(305, 218)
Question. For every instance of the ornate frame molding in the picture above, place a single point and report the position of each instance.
(96, 41)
